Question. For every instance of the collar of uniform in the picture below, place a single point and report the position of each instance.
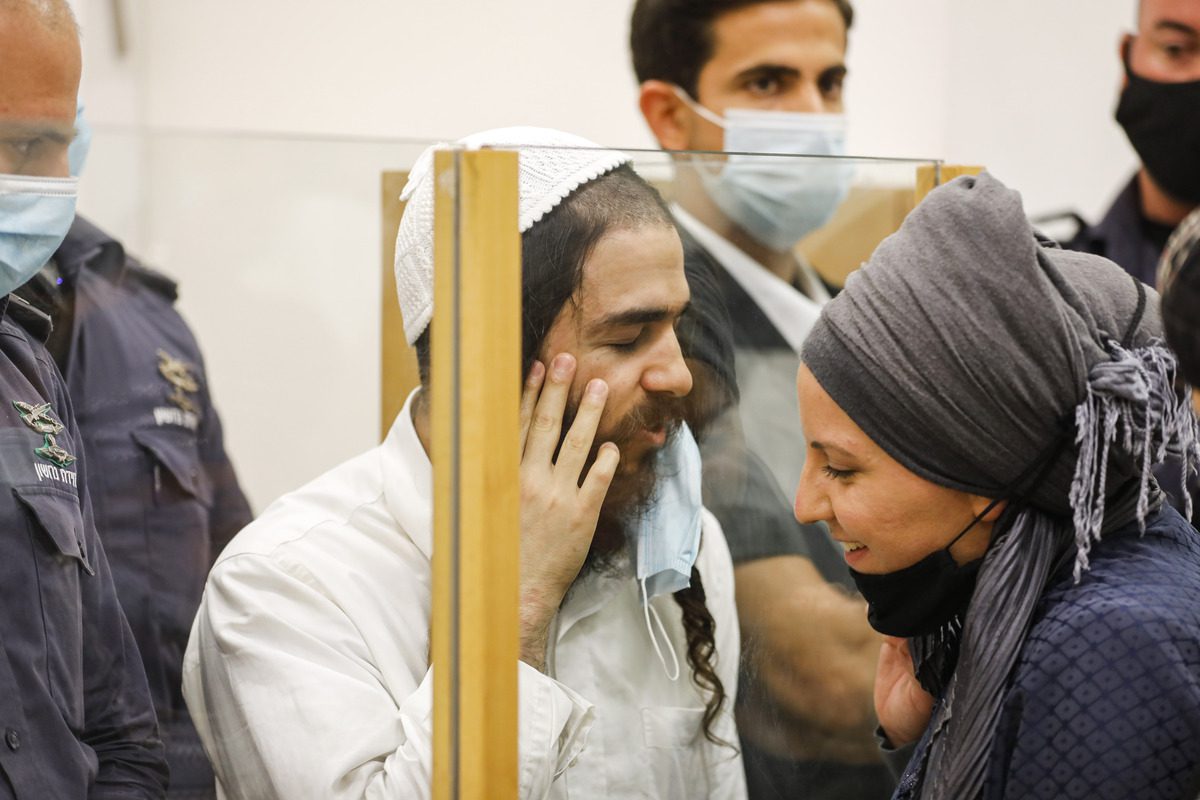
(1123, 215)
(408, 479)
(28, 316)
(792, 314)
(1121, 236)
(88, 246)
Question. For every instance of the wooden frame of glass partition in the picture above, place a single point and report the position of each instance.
(475, 397)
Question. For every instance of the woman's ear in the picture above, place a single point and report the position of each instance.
(979, 503)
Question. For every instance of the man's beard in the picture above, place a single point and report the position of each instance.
(632, 488)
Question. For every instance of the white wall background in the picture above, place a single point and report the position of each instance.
(216, 157)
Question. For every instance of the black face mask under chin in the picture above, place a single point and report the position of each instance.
(1162, 121)
(919, 599)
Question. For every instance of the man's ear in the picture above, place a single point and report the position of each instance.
(666, 114)
(1124, 54)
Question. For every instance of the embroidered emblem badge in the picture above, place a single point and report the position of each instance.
(53, 453)
(182, 381)
(38, 417)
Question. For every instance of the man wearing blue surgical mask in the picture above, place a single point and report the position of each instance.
(766, 76)
(75, 712)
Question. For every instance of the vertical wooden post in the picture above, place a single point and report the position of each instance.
(475, 417)
(934, 175)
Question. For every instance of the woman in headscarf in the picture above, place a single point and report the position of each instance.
(983, 412)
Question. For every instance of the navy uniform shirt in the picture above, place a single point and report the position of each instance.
(1126, 237)
(76, 720)
(166, 496)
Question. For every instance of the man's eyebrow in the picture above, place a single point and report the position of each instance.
(835, 71)
(1179, 27)
(638, 316)
(766, 71)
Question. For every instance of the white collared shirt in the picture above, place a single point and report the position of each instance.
(307, 673)
(791, 312)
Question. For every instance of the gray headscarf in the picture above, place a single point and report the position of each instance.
(986, 360)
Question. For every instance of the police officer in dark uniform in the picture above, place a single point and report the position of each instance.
(166, 496)
(76, 718)
(1159, 111)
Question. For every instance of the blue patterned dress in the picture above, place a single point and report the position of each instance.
(1104, 701)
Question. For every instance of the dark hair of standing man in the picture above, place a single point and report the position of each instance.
(671, 40)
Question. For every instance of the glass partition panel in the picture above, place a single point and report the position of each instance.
(275, 243)
(663, 649)
(767, 241)
(746, 648)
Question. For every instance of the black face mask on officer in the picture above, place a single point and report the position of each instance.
(1162, 121)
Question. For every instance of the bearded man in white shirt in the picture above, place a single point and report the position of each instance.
(308, 667)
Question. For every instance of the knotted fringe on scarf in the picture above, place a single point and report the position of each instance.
(1131, 401)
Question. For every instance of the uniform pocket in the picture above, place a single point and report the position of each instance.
(56, 515)
(178, 554)
(178, 457)
(62, 563)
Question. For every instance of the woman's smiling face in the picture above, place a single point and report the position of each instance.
(886, 516)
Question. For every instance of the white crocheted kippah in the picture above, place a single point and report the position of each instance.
(551, 165)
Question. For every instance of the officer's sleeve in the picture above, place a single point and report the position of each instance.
(119, 719)
(290, 702)
(230, 510)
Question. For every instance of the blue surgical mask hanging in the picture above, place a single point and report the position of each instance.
(668, 534)
(778, 201)
(35, 215)
(77, 151)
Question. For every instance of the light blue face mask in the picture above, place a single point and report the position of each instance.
(778, 201)
(35, 215)
(668, 535)
(81, 145)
